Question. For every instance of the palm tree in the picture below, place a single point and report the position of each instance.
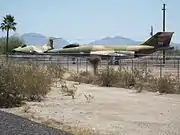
(7, 25)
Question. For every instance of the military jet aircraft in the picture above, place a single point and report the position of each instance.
(34, 49)
(159, 41)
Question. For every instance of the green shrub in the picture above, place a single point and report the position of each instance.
(13, 43)
(25, 82)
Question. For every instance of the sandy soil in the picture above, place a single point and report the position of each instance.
(116, 110)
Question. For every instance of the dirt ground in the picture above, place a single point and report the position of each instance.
(117, 110)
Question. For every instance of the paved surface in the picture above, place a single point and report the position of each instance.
(14, 125)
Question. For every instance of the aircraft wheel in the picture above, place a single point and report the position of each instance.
(116, 62)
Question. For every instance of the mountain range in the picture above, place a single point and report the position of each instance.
(39, 39)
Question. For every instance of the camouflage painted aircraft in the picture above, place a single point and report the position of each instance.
(34, 49)
(159, 41)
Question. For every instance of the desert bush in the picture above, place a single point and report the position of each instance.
(25, 82)
(107, 77)
(68, 89)
(56, 71)
(177, 87)
(124, 77)
(144, 80)
(165, 84)
(82, 77)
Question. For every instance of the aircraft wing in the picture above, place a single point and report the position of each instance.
(112, 53)
(120, 54)
(88, 51)
(29, 49)
(38, 49)
(54, 50)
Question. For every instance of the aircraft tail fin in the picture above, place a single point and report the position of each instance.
(160, 40)
(50, 44)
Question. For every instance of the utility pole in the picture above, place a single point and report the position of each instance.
(151, 33)
(164, 21)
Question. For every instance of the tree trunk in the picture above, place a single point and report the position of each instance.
(95, 68)
(7, 39)
(94, 62)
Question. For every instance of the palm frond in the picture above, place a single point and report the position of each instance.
(13, 28)
(14, 23)
(2, 24)
(8, 23)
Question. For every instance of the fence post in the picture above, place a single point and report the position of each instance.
(178, 70)
(174, 61)
(86, 65)
(160, 68)
(80, 62)
(132, 67)
(109, 59)
(146, 66)
(77, 64)
(120, 65)
(67, 61)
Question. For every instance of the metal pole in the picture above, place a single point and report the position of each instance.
(68, 62)
(77, 64)
(146, 66)
(164, 21)
(151, 33)
(86, 65)
(174, 59)
(80, 62)
(132, 66)
(160, 68)
(178, 70)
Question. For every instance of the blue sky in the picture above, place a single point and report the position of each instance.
(86, 20)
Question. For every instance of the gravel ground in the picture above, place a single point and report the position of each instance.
(14, 125)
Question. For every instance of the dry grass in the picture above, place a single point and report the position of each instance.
(56, 71)
(82, 77)
(25, 82)
(124, 77)
(68, 90)
(75, 130)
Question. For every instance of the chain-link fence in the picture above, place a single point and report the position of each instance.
(77, 64)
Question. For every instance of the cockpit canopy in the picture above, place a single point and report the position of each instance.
(71, 46)
(23, 45)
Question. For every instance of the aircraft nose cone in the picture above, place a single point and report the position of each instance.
(13, 50)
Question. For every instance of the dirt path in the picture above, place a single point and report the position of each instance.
(116, 110)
